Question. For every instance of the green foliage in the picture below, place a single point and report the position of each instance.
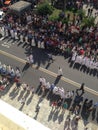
(55, 15)
(65, 20)
(44, 9)
(88, 21)
(54, 18)
(81, 12)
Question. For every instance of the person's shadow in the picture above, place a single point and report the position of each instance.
(26, 66)
(30, 99)
(93, 113)
(57, 79)
(21, 107)
(61, 117)
(51, 114)
(47, 66)
(97, 117)
(55, 116)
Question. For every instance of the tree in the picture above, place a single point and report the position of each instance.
(44, 9)
(89, 21)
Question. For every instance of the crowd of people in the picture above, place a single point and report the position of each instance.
(9, 75)
(73, 100)
(77, 44)
(80, 44)
(59, 97)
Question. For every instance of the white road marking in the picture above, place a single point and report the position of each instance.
(51, 73)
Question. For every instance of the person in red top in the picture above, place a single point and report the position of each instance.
(81, 52)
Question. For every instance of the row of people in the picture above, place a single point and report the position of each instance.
(80, 105)
(47, 87)
(17, 34)
(85, 63)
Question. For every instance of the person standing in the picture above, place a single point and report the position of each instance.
(50, 58)
(60, 71)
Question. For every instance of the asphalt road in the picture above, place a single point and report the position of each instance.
(31, 76)
(41, 59)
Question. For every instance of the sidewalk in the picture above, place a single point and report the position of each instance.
(53, 120)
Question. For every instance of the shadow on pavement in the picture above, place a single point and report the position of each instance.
(21, 94)
(14, 93)
(21, 107)
(57, 79)
(26, 67)
(61, 117)
(29, 99)
(47, 66)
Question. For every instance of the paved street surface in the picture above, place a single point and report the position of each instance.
(41, 59)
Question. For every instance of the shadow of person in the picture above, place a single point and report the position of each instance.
(14, 93)
(93, 113)
(6, 90)
(97, 117)
(51, 114)
(38, 65)
(21, 107)
(55, 116)
(27, 94)
(37, 110)
(35, 117)
(57, 79)
(38, 89)
(21, 94)
(47, 66)
(24, 45)
(20, 43)
(67, 123)
(61, 117)
(29, 99)
(26, 66)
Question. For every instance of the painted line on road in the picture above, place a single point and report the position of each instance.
(50, 73)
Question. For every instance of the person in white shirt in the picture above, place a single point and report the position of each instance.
(78, 62)
(16, 35)
(61, 93)
(40, 80)
(55, 90)
(91, 66)
(48, 85)
(69, 94)
(43, 82)
(73, 58)
(95, 68)
(12, 33)
(17, 72)
(83, 66)
(2, 31)
(26, 40)
(31, 59)
(47, 88)
(60, 72)
(6, 33)
(87, 63)
(21, 38)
